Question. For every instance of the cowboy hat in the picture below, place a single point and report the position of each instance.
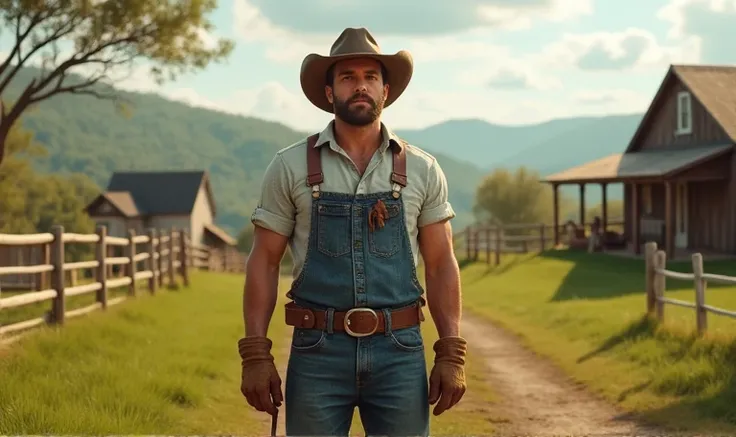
(354, 43)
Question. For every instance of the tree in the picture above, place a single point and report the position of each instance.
(95, 39)
(504, 197)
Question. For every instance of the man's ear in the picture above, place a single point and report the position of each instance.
(328, 93)
(385, 91)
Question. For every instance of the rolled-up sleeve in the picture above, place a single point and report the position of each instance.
(276, 210)
(436, 206)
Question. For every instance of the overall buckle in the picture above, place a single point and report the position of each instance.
(346, 322)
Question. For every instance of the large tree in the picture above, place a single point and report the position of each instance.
(99, 38)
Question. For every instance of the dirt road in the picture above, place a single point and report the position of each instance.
(536, 398)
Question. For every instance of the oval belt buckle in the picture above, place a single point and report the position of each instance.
(346, 322)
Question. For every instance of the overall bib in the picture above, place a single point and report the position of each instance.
(356, 311)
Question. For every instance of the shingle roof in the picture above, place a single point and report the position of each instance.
(123, 201)
(160, 192)
(646, 163)
(220, 233)
(715, 87)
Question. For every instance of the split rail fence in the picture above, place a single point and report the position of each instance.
(158, 257)
(516, 238)
(656, 278)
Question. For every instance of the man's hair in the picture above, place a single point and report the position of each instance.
(330, 75)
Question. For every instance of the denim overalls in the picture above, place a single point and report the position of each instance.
(349, 265)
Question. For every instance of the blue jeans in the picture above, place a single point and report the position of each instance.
(384, 375)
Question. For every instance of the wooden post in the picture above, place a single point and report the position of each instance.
(101, 270)
(152, 262)
(660, 282)
(159, 248)
(700, 313)
(635, 234)
(669, 229)
(498, 244)
(476, 247)
(183, 257)
(649, 275)
(488, 244)
(57, 275)
(542, 240)
(131, 263)
(556, 219)
(467, 244)
(604, 206)
(582, 206)
(172, 277)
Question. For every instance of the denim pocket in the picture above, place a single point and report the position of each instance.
(307, 339)
(408, 339)
(384, 242)
(333, 229)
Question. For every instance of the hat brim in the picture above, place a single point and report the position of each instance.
(399, 66)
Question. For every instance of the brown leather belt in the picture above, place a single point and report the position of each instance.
(357, 322)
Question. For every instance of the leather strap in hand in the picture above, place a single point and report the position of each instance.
(447, 380)
(260, 382)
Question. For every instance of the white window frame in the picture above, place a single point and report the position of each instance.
(684, 105)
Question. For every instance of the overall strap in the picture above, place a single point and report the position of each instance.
(314, 165)
(398, 175)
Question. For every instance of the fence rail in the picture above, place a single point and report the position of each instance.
(512, 238)
(156, 257)
(656, 278)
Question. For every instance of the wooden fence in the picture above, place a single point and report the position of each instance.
(656, 275)
(516, 238)
(158, 257)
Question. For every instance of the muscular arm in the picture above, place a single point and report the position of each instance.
(261, 281)
(442, 276)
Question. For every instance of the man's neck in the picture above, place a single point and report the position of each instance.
(359, 140)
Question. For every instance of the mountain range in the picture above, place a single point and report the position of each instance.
(86, 135)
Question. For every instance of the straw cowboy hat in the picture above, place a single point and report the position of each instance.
(354, 43)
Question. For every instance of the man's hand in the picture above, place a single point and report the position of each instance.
(447, 380)
(260, 383)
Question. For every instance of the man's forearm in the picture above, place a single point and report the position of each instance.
(444, 297)
(259, 296)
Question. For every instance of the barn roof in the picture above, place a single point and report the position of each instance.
(642, 164)
(123, 201)
(170, 192)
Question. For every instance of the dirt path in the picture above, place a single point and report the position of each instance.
(535, 397)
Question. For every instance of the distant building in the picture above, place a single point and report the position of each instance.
(160, 200)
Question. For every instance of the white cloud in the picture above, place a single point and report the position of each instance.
(619, 100)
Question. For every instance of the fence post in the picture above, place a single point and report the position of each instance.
(467, 242)
(183, 257)
(660, 282)
(152, 263)
(159, 248)
(498, 244)
(488, 244)
(542, 240)
(700, 313)
(101, 271)
(57, 275)
(650, 249)
(131, 264)
(172, 278)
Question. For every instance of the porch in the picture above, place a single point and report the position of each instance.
(678, 197)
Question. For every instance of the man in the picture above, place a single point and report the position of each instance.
(356, 205)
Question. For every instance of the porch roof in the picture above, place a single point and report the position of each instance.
(640, 164)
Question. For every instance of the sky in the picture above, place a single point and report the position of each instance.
(505, 61)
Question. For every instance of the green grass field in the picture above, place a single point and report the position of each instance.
(163, 364)
(587, 312)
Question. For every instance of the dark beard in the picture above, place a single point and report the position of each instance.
(358, 116)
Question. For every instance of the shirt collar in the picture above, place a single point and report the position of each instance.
(327, 136)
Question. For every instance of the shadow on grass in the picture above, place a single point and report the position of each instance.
(605, 276)
(700, 373)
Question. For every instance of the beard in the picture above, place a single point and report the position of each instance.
(358, 115)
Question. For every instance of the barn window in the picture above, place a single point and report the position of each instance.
(684, 113)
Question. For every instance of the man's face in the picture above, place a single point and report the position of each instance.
(358, 92)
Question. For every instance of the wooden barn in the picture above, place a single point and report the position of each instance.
(677, 168)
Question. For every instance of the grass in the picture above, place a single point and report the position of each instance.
(163, 364)
(587, 312)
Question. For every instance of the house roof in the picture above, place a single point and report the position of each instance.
(220, 233)
(714, 86)
(642, 164)
(123, 201)
(172, 192)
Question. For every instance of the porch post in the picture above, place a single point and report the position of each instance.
(669, 234)
(556, 218)
(635, 218)
(582, 206)
(604, 206)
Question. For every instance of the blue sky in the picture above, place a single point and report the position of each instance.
(505, 61)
